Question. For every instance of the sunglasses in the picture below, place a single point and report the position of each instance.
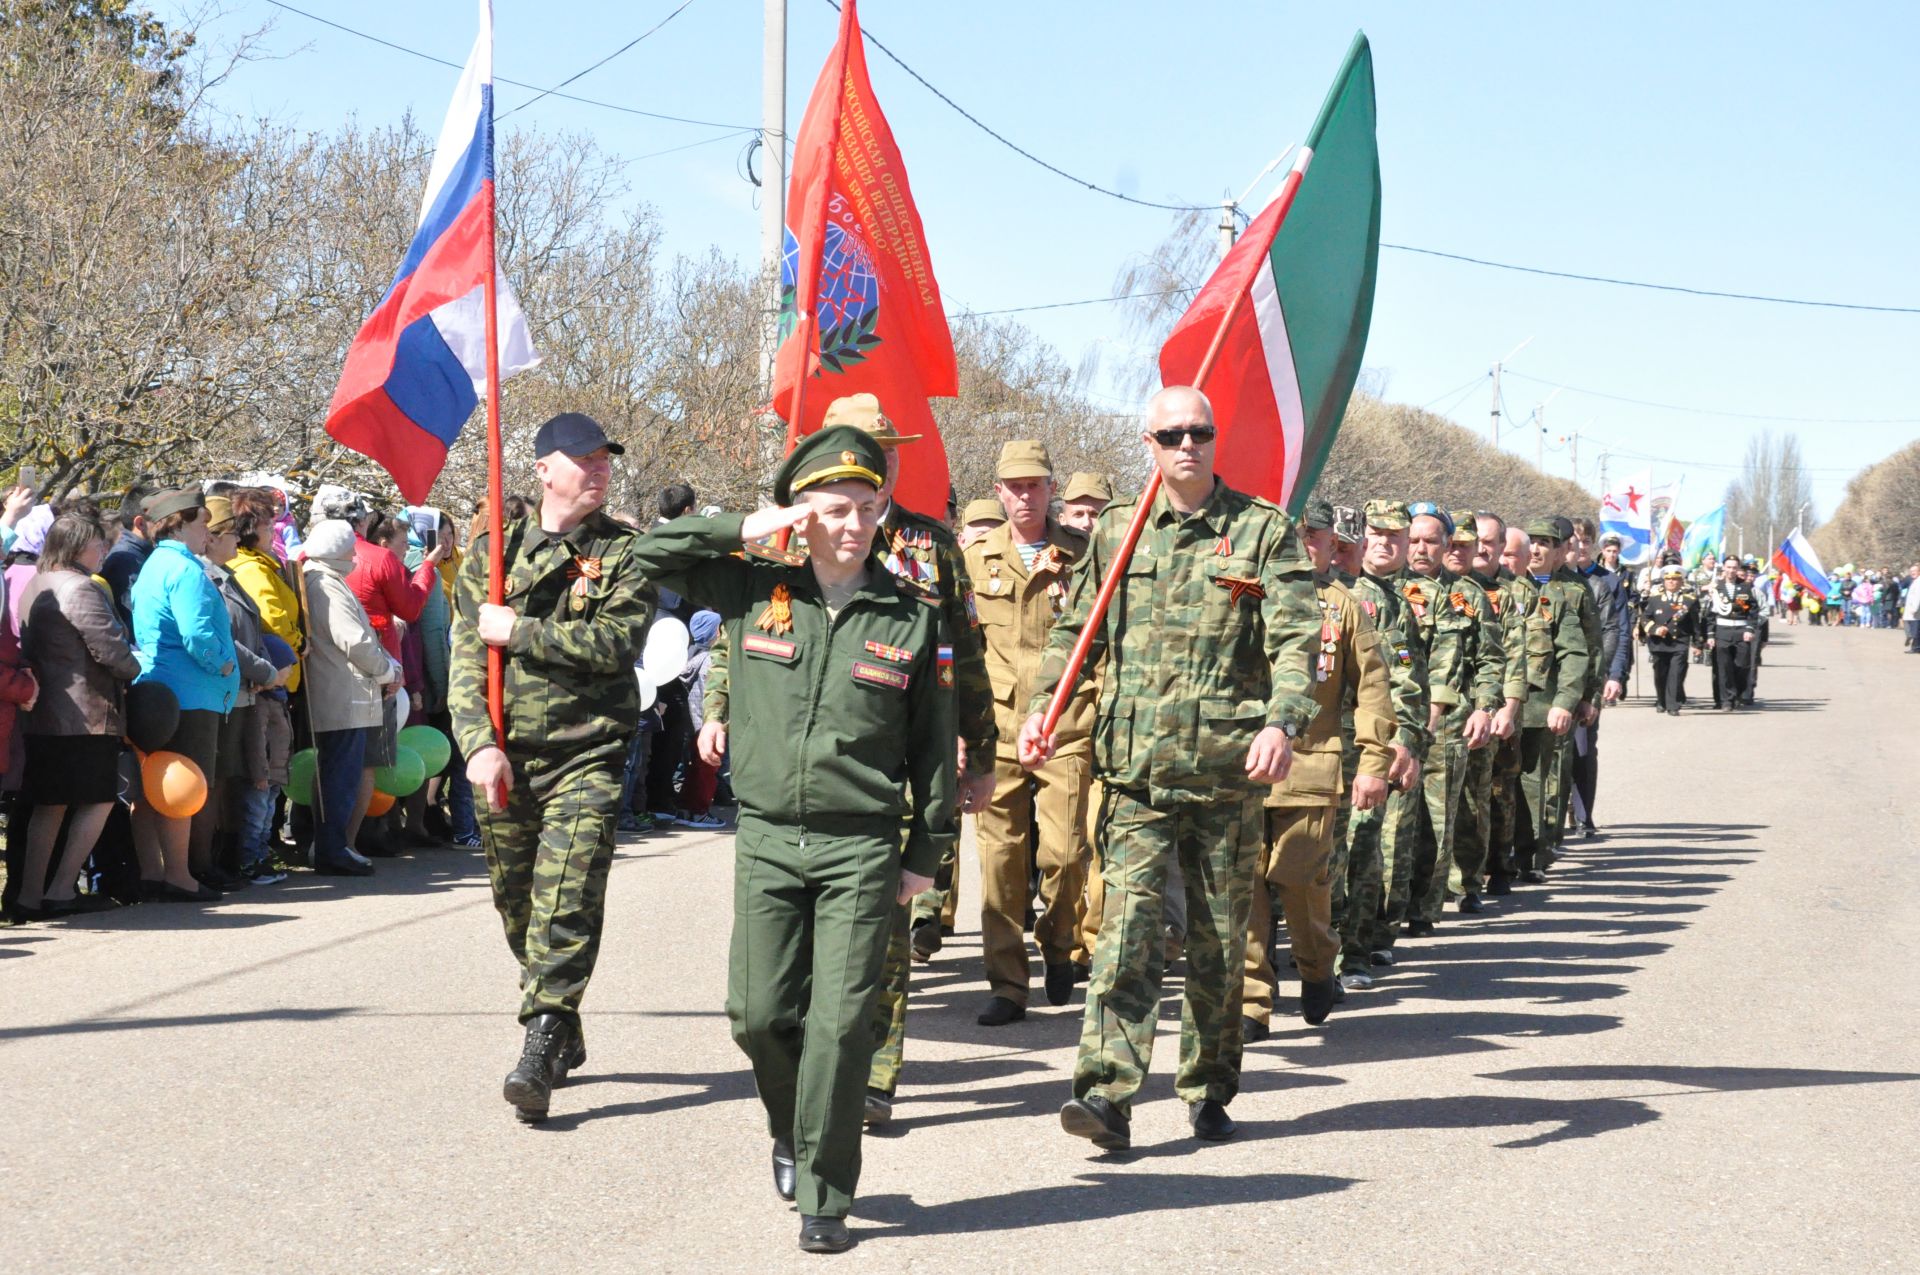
(1200, 434)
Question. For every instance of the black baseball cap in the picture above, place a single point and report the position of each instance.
(574, 433)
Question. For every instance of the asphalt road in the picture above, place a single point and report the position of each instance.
(1696, 1049)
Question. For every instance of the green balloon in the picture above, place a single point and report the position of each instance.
(406, 774)
(300, 771)
(433, 746)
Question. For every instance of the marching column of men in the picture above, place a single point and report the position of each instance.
(1339, 725)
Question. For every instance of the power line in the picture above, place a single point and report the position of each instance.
(1657, 287)
(1017, 149)
(1064, 305)
(678, 10)
(1707, 411)
(501, 79)
(1458, 389)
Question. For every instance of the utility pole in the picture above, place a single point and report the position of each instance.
(1493, 435)
(773, 171)
(1228, 225)
(1540, 437)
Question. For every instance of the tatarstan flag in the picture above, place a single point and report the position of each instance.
(1296, 294)
(860, 308)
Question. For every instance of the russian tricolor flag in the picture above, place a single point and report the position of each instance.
(418, 366)
(1799, 563)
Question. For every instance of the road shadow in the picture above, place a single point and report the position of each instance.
(91, 1026)
(705, 1089)
(1099, 1196)
(1705, 1079)
(1568, 1119)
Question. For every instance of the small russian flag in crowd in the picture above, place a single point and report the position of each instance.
(419, 365)
(1799, 563)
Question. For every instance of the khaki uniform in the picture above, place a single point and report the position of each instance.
(1350, 676)
(1017, 608)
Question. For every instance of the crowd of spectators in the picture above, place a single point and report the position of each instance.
(211, 610)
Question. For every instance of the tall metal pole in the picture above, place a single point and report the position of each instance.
(773, 169)
(1227, 227)
(1493, 434)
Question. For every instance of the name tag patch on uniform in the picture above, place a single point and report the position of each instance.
(880, 675)
(945, 665)
(897, 654)
(775, 648)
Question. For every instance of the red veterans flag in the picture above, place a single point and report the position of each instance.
(860, 308)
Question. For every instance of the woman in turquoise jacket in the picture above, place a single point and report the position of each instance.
(185, 642)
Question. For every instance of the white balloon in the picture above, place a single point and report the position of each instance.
(647, 693)
(665, 654)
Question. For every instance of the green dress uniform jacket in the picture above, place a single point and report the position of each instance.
(838, 719)
(1212, 630)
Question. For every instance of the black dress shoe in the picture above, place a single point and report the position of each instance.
(1098, 1121)
(1470, 904)
(1534, 876)
(925, 940)
(999, 1012)
(879, 1109)
(1316, 1001)
(529, 1086)
(1253, 1031)
(1210, 1121)
(786, 1173)
(1339, 991)
(1499, 885)
(824, 1235)
(1059, 983)
(1419, 929)
(171, 893)
(1081, 973)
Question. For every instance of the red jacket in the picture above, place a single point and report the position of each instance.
(387, 592)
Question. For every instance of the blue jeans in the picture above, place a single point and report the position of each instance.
(255, 833)
(460, 798)
(337, 786)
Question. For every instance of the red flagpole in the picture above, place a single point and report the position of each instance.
(1063, 689)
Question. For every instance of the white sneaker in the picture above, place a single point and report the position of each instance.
(1356, 978)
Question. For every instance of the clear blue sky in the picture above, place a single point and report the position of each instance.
(1762, 149)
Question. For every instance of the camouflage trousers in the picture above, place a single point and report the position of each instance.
(1217, 844)
(941, 901)
(1399, 831)
(811, 915)
(1502, 806)
(1542, 804)
(889, 1017)
(1473, 820)
(548, 854)
(1439, 820)
(1355, 866)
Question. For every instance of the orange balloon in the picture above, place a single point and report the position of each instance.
(174, 785)
(380, 804)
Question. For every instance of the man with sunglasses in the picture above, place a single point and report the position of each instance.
(1208, 648)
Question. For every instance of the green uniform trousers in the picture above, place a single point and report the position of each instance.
(548, 854)
(1472, 821)
(1217, 844)
(1442, 780)
(1503, 806)
(1296, 871)
(811, 915)
(1542, 804)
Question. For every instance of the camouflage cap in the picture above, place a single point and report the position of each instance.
(1388, 515)
(862, 411)
(1023, 458)
(1466, 531)
(1558, 530)
(1085, 486)
(1318, 515)
(829, 455)
(1346, 523)
(985, 509)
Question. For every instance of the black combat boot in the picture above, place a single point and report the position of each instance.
(550, 1048)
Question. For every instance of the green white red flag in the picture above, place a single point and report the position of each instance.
(1296, 298)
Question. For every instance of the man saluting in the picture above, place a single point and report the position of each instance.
(840, 727)
(1207, 644)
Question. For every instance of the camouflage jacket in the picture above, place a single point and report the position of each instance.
(1466, 662)
(1017, 609)
(1405, 651)
(1351, 686)
(1561, 632)
(924, 553)
(839, 722)
(583, 606)
(1210, 638)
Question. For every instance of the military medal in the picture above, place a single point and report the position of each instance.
(1225, 548)
(994, 584)
(1329, 642)
(897, 654)
(778, 615)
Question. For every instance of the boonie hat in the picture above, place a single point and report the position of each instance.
(1086, 486)
(1023, 458)
(1466, 531)
(985, 509)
